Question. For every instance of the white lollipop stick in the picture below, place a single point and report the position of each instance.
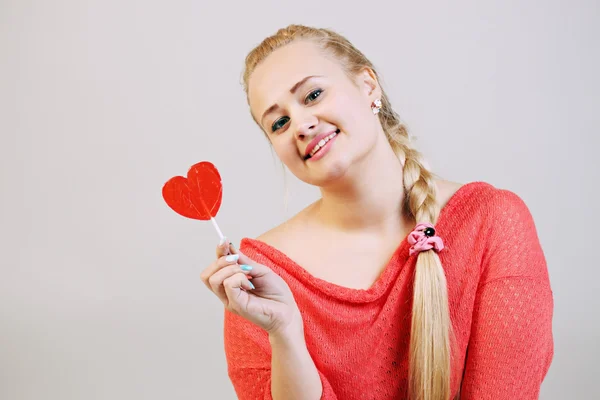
(214, 222)
(221, 236)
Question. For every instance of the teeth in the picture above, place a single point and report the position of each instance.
(322, 143)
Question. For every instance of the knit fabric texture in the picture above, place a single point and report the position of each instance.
(500, 299)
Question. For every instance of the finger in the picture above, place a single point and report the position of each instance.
(233, 250)
(216, 266)
(233, 286)
(257, 269)
(217, 280)
(222, 247)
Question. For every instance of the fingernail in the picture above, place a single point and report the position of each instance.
(245, 267)
(222, 241)
(251, 285)
(232, 257)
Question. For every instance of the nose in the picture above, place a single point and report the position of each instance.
(305, 126)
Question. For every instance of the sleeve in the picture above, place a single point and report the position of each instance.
(511, 346)
(248, 354)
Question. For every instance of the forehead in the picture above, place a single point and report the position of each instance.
(274, 77)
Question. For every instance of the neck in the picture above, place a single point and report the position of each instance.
(369, 197)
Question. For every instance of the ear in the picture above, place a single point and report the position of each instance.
(368, 83)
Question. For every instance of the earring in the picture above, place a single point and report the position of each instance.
(376, 106)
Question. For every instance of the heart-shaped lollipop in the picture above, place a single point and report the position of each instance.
(198, 196)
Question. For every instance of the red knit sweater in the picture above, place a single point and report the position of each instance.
(501, 307)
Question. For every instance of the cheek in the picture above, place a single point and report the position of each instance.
(286, 151)
(351, 113)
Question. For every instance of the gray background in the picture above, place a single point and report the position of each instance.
(102, 101)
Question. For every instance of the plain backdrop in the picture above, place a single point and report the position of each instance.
(102, 101)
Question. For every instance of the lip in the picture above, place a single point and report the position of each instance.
(315, 141)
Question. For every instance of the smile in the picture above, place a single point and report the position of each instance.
(321, 144)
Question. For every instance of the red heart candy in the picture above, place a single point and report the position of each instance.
(199, 195)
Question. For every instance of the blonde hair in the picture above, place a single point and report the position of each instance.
(431, 329)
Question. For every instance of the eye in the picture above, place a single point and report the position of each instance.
(312, 96)
(276, 125)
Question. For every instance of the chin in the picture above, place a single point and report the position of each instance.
(329, 172)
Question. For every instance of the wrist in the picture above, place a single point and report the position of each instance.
(292, 332)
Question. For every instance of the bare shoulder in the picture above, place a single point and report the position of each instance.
(287, 232)
(446, 189)
(273, 236)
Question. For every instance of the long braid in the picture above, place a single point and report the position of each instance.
(431, 328)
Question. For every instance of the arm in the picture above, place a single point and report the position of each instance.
(271, 367)
(294, 374)
(511, 344)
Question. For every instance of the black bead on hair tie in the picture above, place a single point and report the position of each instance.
(430, 232)
(423, 238)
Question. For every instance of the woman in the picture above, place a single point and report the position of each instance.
(394, 284)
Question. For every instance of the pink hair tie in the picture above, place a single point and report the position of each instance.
(423, 238)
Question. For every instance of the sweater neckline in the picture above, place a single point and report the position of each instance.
(398, 259)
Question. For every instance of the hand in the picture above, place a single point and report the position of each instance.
(269, 304)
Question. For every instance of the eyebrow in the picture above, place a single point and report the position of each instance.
(292, 91)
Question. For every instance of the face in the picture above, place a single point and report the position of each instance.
(318, 120)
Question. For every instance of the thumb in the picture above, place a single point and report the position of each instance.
(257, 269)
